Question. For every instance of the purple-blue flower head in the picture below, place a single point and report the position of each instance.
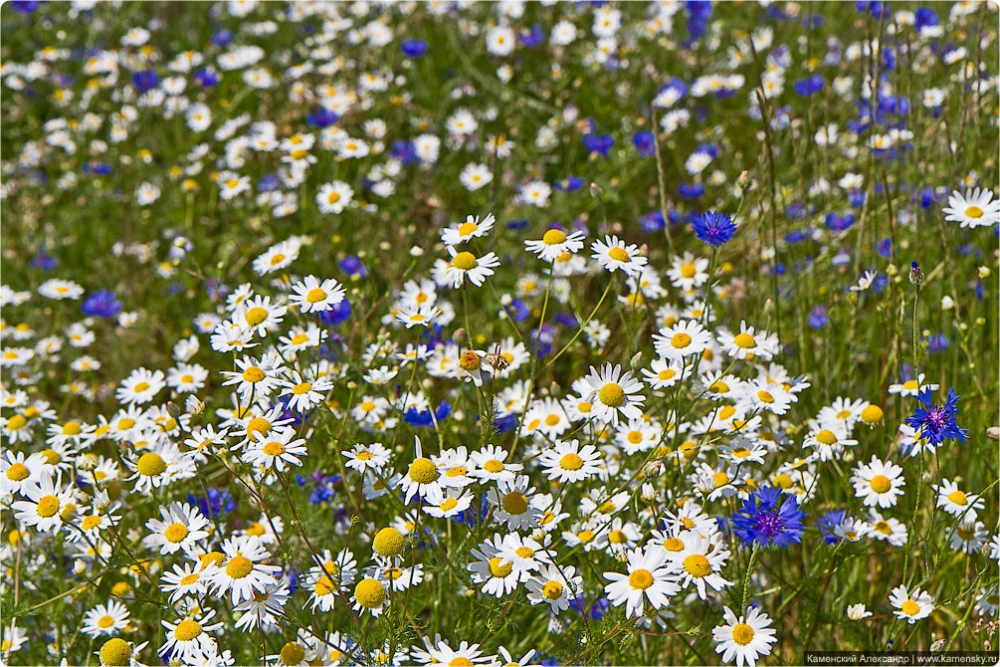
(713, 228)
(645, 143)
(145, 80)
(769, 518)
(936, 423)
(414, 48)
(598, 143)
(101, 304)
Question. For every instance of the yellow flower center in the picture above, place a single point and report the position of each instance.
(697, 566)
(680, 340)
(515, 502)
(911, 385)
(210, 558)
(254, 374)
(273, 448)
(782, 481)
(239, 566)
(765, 396)
(741, 452)
(278, 258)
(256, 529)
(324, 586)
(258, 425)
(448, 505)
(48, 506)
(302, 388)
(958, 497)
(292, 654)
(16, 422)
(256, 315)
(364, 456)
(640, 579)
(190, 579)
(742, 634)
(464, 261)
(826, 437)
(105, 621)
(744, 340)
(150, 464)
(187, 630)
(571, 461)
(553, 237)
(91, 522)
(388, 542)
(493, 465)
(720, 479)
(880, 484)
(175, 532)
(423, 471)
(315, 295)
(71, 428)
(673, 544)
(467, 228)
(300, 338)
(872, 414)
(460, 661)
(974, 212)
(607, 507)
(333, 197)
(552, 590)
(499, 568)
(585, 535)
(369, 593)
(17, 472)
(116, 652)
(618, 254)
(469, 361)
(612, 395)
(910, 608)
(617, 537)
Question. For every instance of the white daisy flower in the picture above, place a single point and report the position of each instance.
(744, 639)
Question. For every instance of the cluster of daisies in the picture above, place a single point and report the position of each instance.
(627, 474)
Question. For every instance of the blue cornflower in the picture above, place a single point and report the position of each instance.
(828, 523)
(222, 37)
(570, 184)
(652, 222)
(937, 423)
(337, 315)
(353, 266)
(645, 143)
(322, 118)
(101, 304)
(713, 228)
(598, 143)
(145, 80)
(206, 77)
(414, 48)
(809, 86)
(690, 190)
(218, 502)
(818, 318)
(767, 521)
(533, 38)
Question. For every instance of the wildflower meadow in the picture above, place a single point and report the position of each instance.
(499, 333)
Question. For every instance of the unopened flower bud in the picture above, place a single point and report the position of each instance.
(947, 303)
(173, 409)
(743, 182)
(595, 191)
(916, 275)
